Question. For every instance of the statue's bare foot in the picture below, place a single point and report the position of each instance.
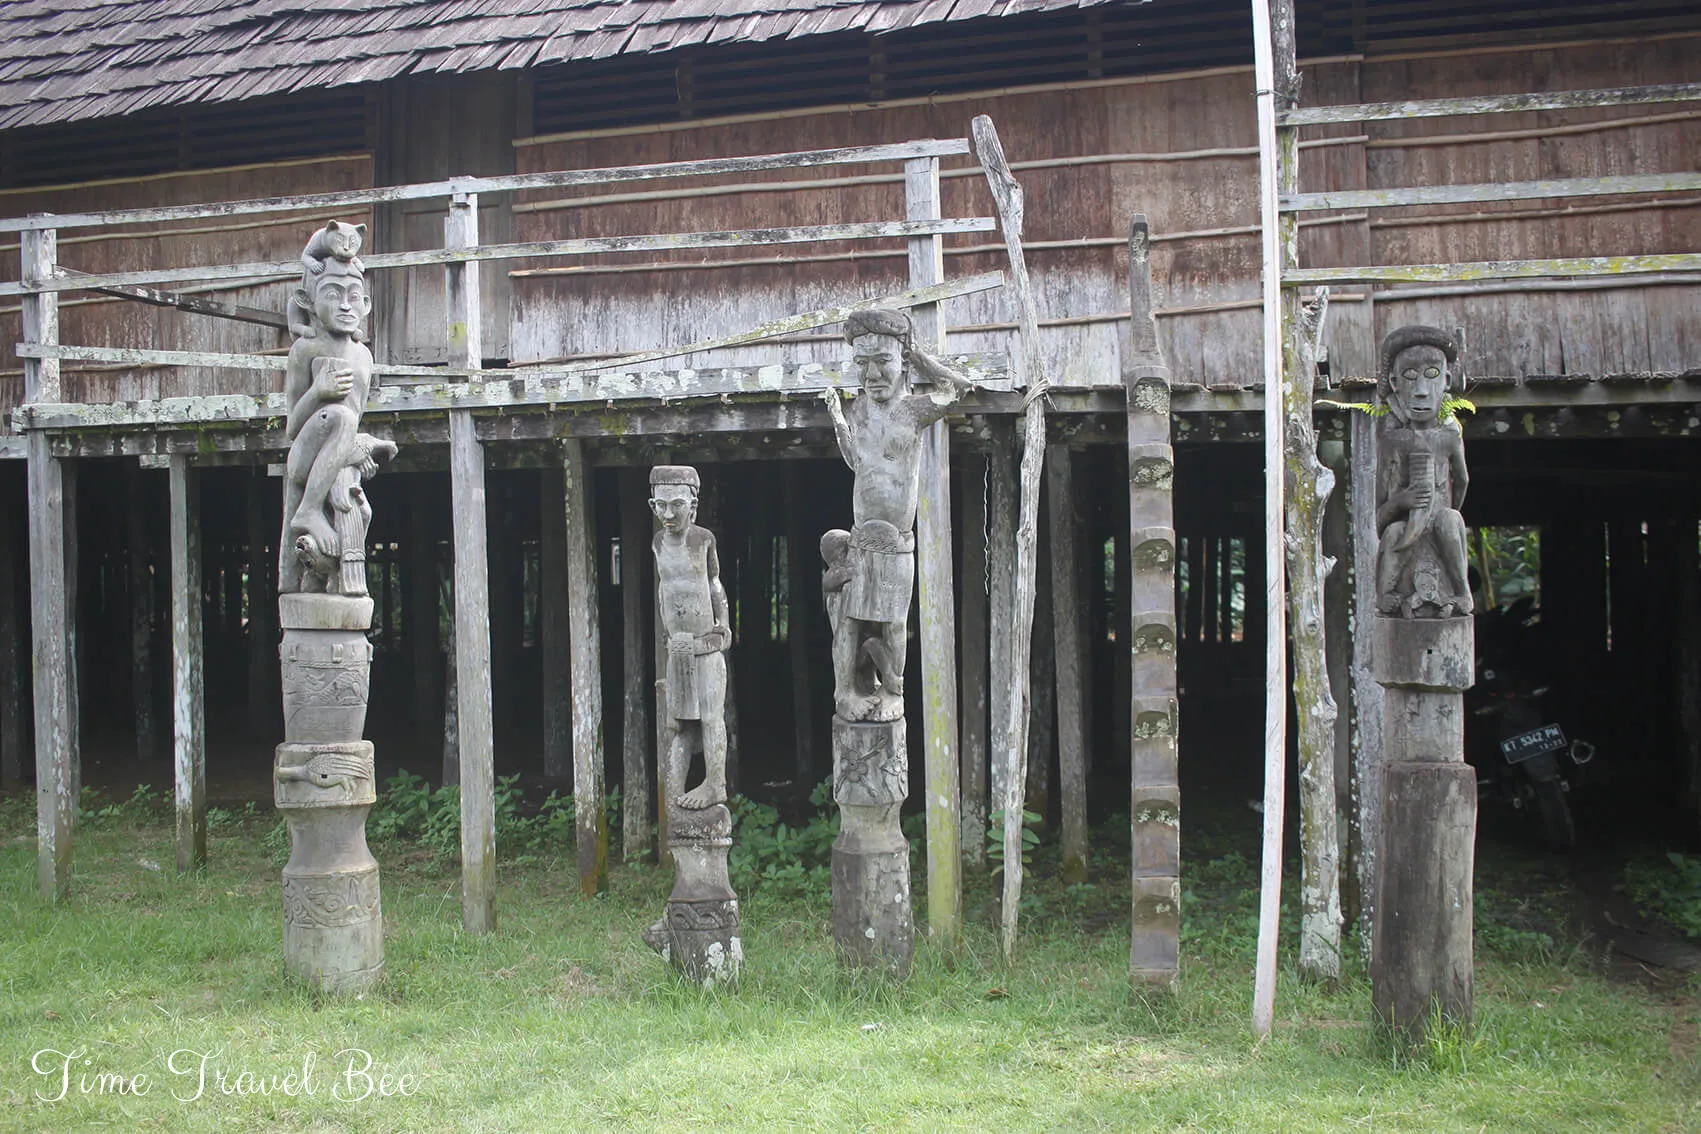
(703, 796)
(1389, 604)
(311, 522)
(855, 707)
(887, 707)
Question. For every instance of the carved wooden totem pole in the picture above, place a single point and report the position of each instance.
(333, 927)
(868, 581)
(1423, 657)
(698, 935)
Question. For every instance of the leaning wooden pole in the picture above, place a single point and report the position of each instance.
(1154, 959)
(1266, 15)
(1014, 741)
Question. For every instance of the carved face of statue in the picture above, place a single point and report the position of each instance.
(1418, 383)
(878, 361)
(675, 505)
(340, 302)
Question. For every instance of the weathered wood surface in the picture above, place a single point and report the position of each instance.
(319, 202)
(194, 305)
(188, 693)
(1492, 191)
(972, 666)
(1274, 69)
(802, 627)
(553, 629)
(475, 744)
(1496, 269)
(587, 246)
(1067, 651)
(935, 602)
(12, 601)
(1014, 737)
(1366, 693)
(1337, 629)
(1145, 628)
(141, 588)
(1491, 104)
(636, 603)
(586, 656)
(421, 627)
(1001, 596)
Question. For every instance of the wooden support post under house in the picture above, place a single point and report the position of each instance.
(636, 604)
(263, 633)
(1337, 628)
(1011, 735)
(1066, 651)
(1001, 597)
(1154, 791)
(972, 669)
(801, 586)
(476, 753)
(12, 732)
(934, 570)
(1366, 690)
(420, 626)
(1273, 47)
(142, 593)
(586, 660)
(553, 631)
(188, 694)
(52, 586)
(1688, 668)
(1042, 686)
(451, 688)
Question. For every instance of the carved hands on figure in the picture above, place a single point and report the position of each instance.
(333, 379)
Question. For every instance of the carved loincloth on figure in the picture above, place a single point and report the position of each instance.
(686, 675)
(882, 572)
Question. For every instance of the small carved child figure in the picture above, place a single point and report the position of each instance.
(326, 382)
(694, 616)
(1421, 481)
(880, 439)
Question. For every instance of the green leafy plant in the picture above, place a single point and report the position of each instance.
(995, 839)
(781, 860)
(1451, 407)
(1671, 892)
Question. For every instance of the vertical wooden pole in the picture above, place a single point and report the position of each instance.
(1066, 641)
(75, 651)
(451, 689)
(933, 569)
(1687, 671)
(585, 648)
(636, 602)
(1042, 681)
(1337, 628)
(188, 715)
(1147, 640)
(553, 629)
(973, 666)
(425, 653)
(12, 734)
(263, 677)
(52, 614)
(1367, 691)
(800, 630)
(141, 613)
(475, 735)
(1268, 15)
(1001, 550)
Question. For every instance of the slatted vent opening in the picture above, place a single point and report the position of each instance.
(196, 137)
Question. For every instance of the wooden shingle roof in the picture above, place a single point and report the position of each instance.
(63, 60)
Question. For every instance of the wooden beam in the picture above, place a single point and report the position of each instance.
(586, 651)
(1490, 104)
(188, 713)
(584, 246)
(1488, 191)
(1618, 266)
(473, 711)
(193, 305)
(1066, 633)
(937, 608)
(321, 202)
(972, 669)
(636, 603)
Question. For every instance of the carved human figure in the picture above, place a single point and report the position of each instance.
(694, 618)
(880, 439)
(1421, 481)
(326, 383)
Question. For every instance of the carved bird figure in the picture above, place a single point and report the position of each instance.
(326, 769)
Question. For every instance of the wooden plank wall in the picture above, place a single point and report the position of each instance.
(101, 321)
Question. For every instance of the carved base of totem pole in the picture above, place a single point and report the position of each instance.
(699, 933)
(1421, 951)
(873, 925)
(324, 784)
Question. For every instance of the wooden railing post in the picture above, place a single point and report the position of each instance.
(52, 588)
(472, 588)
(933, 564)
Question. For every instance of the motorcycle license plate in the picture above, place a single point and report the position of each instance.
(1517, 749)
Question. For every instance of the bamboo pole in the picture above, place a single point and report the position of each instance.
(1264, 20)
(1008, 195)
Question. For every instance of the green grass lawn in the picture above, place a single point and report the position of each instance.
(563, 1019)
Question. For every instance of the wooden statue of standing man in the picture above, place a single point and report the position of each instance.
(868, 583)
